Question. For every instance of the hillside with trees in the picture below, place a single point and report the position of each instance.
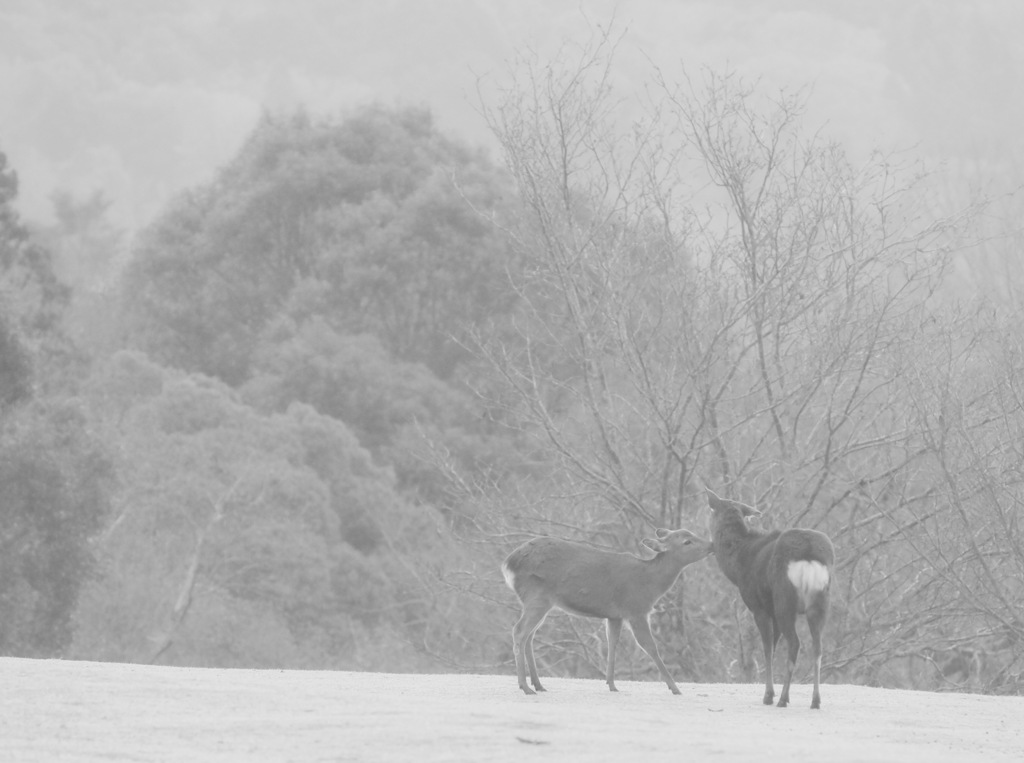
(337, 382)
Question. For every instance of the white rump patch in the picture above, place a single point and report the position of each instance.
(808, 578)
(510, 577)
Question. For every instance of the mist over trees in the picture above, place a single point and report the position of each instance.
(337, 383)
(55, 477)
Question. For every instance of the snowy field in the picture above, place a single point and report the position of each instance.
(70, 711)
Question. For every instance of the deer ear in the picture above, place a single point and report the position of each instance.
(655, 545)
(749, 511)
(662, 533)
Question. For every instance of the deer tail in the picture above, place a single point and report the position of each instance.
(513, 562)
(509, 574)
(810, 578)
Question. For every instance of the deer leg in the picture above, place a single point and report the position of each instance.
(642, 632)
(613, 627)
(816, 625)
(522, 643)
(769, 637)
(793, 642)
(531, 663)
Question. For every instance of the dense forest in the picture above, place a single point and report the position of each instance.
(299, 420)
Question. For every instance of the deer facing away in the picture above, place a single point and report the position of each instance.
(780, 575)
(548, 572)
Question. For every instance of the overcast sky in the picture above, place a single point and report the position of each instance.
(143, 99)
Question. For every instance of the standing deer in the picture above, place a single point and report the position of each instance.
(548, 572)
(780, 575)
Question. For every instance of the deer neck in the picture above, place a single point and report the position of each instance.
(666, 568)
(734, 542)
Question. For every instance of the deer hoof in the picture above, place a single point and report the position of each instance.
(783, 703)
(769, 699)
(527, 690)
(816, 704)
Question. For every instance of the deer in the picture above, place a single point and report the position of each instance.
(780, 574)
(550, 572)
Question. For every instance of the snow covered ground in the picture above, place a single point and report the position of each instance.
(70, 711)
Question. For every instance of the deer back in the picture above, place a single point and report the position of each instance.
(593, 582)
(578, 578)
(800, 544)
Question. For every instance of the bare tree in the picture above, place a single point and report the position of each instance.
(715, 295)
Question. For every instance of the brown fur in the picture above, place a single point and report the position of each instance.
(549, 572)
(758, 564)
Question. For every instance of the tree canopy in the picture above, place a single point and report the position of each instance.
(374, 224)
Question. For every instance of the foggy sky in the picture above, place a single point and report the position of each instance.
(143, 100)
